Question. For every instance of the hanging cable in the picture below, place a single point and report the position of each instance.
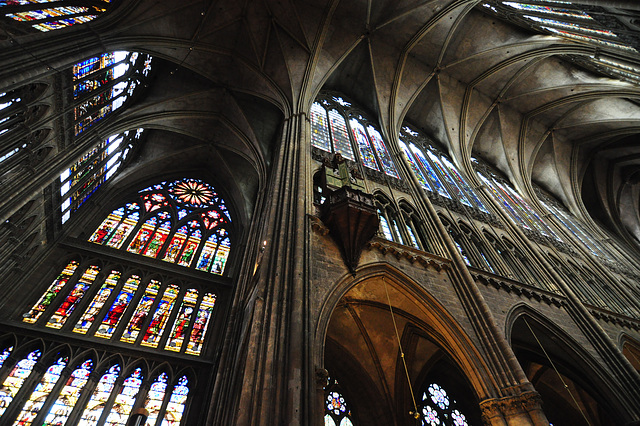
(414, 413)
(557, 372)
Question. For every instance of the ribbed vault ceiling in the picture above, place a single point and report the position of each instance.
(478, 84)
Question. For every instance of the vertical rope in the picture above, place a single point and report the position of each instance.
(558, 373)
(415, 413)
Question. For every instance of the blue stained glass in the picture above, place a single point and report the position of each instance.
(383, 154)
(340, 137)
(366, 153)
(516, 217)
(385, 226)
(319, 128)
(435, 181)
(463, 184)
(459, 195)
(530, 214)
(414, 167)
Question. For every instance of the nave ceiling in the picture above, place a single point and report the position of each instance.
(231, 71)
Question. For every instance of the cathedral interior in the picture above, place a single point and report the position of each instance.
(338, 213)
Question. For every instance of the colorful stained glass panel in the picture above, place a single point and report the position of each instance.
(160, 317)
(341, 142)
(201, 324)
(97, 303)
(182, 321)
(16, 378)
(61, 409)
(155, 396)
(124, 401)
(100, 396)
(61, 315)
(383, 155)
(115, 313)
(364, 146)
(175, 407)
(140, 314)
(51, 293)
(319, 128)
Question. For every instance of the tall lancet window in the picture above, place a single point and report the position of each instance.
(104, 83)
(85, 176)
(337, 126)
(434, 171)
(47, 15)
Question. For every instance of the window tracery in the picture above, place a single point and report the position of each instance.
(337, 412)
(183, 221)
(334, 120)
(439, 409)
(43, 17)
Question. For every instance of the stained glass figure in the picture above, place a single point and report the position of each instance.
(114, 315)
(5, 354)
(61, 315)
(201, 324)
(160, 236)
(155, 396)
(124, 401)
(52, 18)
(200, 239)
(97, 303)
(182, 321)
(320, 128)
(159, 320)
(51, 293)
(381, 150)
(140, 314)
(175, 408)
(115, 229)
(364, 146)
(341, 142)
(100, 396)
(16, 378)
(68, 397)
(39, 395)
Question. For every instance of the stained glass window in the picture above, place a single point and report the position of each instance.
(175, 408)
(81, 180)
(201, 324)
(429, 171)
(61, 315)
(438, 409)
(41, 392)
(344, 121)
(452, 186)
(51, 293)
(100, 396)
(386, 231)
(462, 184)
(159, 320)
(124, 401)
(104, 83)
(197, 238)
(363, 144)
(183, 320)
(97, 303)
(16, 378)
(142, 311)
(341, 142)
(414, 166)
(54, 17)
(320, 128)
(336, 409)
(155, 397)
(114, 315)
(412, 236)
(68, 397)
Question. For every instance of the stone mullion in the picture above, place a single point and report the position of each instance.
(276, 337)
(628, 379)
(500, 357)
